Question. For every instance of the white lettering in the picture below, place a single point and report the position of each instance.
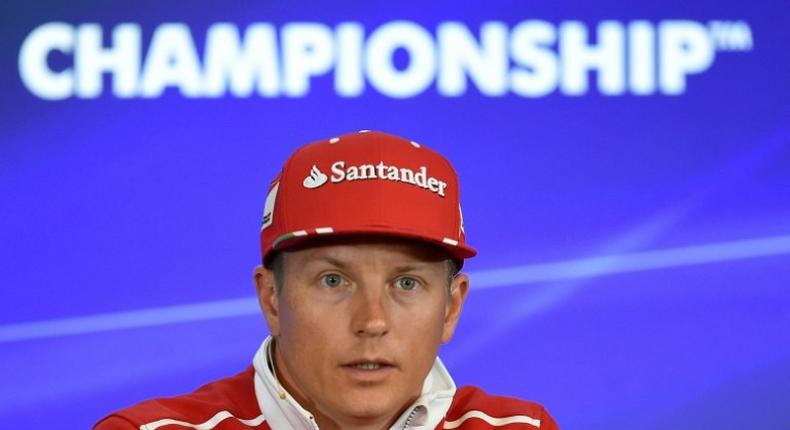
(607, 58)
(367, 171)
(641, 53)
(382, 171)
(407, 175)
(229, 64)
(380, 168)
(392, 173)
(421, 177)
(349, 81)
(486, 63)
(352, 173)
(307, 51)
(433, 184)
(122, 61)
(529, 44)
(398, 59)
(338, 172)
(34, 68)
(442, 186)
(381, 47)
(171, 61)
(685, 48)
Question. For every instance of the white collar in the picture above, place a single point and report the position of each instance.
(285, 414)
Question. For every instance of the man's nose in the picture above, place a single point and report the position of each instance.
(370, 316)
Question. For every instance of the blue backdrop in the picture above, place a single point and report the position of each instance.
(625, 173)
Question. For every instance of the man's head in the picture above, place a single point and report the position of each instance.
(359, 284)
(358, 324)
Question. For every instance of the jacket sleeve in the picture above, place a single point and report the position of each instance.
(115, 422)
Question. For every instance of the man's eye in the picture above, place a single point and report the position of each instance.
(407, 284)
(332, 280)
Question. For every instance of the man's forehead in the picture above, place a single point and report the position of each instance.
(346, 250)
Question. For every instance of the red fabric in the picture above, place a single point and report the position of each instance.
(311, 194)
(236, 395)
(471, 398)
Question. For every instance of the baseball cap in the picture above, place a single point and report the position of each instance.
(364, 183)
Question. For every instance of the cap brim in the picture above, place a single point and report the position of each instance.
(456, 251)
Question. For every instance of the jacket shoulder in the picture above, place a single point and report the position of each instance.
(474, 409)
(227, 403)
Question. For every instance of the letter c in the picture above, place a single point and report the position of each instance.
(33, 68)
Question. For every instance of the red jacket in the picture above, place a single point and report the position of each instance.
(250, 400)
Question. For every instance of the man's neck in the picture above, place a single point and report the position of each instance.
(327, 423)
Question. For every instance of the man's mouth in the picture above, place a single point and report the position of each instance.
(370, 364)
(369, 371)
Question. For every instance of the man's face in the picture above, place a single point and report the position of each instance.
(358, 325)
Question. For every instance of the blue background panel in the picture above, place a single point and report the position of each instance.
(634, 250)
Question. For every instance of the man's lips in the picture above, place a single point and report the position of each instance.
(369, 364)
(369, 370)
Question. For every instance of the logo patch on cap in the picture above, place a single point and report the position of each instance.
(315, 179)
(268, 207)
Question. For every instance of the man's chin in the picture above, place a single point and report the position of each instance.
(370, 408)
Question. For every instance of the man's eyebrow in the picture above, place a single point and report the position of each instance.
(410, 267)
(328, 259)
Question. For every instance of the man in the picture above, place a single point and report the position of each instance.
(362, 243)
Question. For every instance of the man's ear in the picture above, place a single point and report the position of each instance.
(268, 298)
(459, 287)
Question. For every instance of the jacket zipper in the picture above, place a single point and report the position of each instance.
(409, 419)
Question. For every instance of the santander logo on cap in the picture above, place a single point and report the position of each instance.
(381, 171)
(315, 179)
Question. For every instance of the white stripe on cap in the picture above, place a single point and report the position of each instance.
(324, 230)
(449, 241)
(300, 233)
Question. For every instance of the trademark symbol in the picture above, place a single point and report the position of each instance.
(730, 35)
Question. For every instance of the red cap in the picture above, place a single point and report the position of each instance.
(364, 183)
